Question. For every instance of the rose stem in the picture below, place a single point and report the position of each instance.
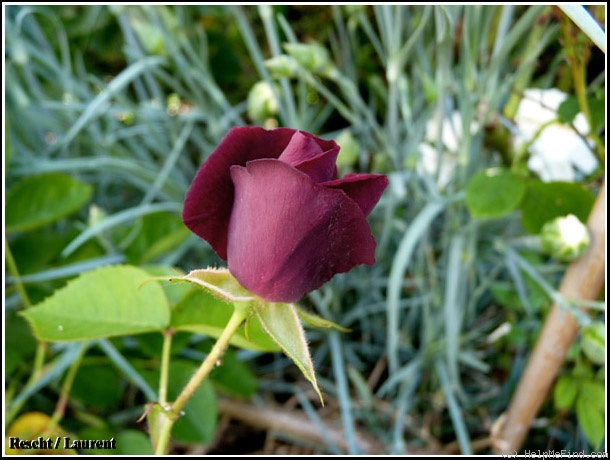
(41, 346)
(164, 371)
(240, 313)
(583, 279)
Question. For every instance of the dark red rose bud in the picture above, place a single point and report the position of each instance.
(270, 204)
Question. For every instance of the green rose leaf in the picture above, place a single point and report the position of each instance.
(589, 412)
(40, 200)
(565, 392)
(493, 193)
(97, 385)
(132, 443)
(106, 302)
(594, 342)
(281, 322)
(568, 109)
(544, 201)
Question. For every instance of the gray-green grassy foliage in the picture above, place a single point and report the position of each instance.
(139, 134)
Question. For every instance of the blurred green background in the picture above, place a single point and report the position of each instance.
(110, 110)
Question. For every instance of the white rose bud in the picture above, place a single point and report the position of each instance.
(565, 238)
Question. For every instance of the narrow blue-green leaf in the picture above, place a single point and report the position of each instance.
(582, 18)
(453, 303)
(117, 219)
(399, 265)
(52, 370)
(455, 412)
(43, 199)
(100, 102)
(67, 271)
(105, 302)
(128, 371)
(281, 322)
(343, 393)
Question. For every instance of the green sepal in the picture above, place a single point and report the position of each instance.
(281, 321)
(317, 321)
(217, 281)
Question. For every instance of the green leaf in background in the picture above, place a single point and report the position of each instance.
(159, 233)
(597, 107)
(565, 392)
(202, 313)
(128, 442)
(40, 200)
(505, 294)
(593, 342)
(594, 392)
(544, 201)
(281, 322)
(151, 343)
(132, 442)
(493, 193)
(8, 145)
(97, 385)
(590, 417)
(234, 377)
(35, 250)
(19, 344)
(105, 302)
(568, 110)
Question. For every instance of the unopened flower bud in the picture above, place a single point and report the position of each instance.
(312, 56)
(594, 342)
(565, 238)
(282, 66)
(262, 103)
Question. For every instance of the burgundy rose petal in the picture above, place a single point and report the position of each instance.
(209, 200)
(289, 235)
(312, 155)
(364, 189)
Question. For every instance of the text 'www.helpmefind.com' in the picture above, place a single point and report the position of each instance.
(556, 454)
